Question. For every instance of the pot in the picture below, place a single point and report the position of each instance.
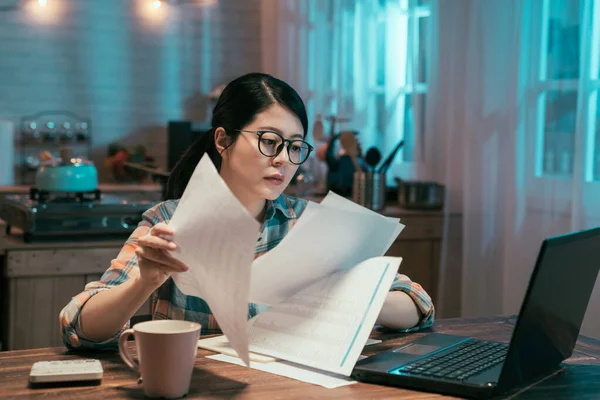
(420, 195)
(67, 174)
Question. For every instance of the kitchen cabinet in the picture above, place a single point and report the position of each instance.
(38, 279)
(38, 282)
(420, 245)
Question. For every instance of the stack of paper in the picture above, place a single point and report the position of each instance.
(294, 371)
(325, 282)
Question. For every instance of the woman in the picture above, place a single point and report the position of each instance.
(257, 143)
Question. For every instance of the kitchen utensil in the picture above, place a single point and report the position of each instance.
(69, 175)
(420, 195)
(47, 157)
(340, 168)
(350, 145)
(333, 120)
(318, 129)
(373, 157)
(369, 190)
(388, 161)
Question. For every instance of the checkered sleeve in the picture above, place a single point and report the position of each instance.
(419, 296)
(123, 267)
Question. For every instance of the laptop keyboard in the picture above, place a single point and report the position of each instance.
(468, 358)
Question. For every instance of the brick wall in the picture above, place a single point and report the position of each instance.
(127, 66)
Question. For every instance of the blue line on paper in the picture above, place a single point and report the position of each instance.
(365, 314)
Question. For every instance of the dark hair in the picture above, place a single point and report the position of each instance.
(238, 105)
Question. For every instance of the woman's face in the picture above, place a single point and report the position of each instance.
(250, 175)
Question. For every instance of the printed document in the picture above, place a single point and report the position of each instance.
(323, 285)
(216, 236)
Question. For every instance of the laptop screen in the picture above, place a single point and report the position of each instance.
(554, 306)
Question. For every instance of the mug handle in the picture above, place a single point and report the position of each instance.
(123, 350)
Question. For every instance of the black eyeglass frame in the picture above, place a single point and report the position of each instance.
(281, 146)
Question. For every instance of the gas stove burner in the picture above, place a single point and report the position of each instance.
(43, 196)
(74, 216)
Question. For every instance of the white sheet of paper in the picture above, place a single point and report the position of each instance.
(326, 325)
(325, 239)
(220, 344)
(294, 371)
(216, 238)
(309, 212)
(335, 200)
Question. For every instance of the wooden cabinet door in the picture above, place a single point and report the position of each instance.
(417, 261)
(35, 303)
(40, 283)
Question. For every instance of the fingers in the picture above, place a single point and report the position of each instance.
(161, 229)
(153, 250)
(146, 264)
(167, 262)
(156, 243)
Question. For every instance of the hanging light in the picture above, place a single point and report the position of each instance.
(157, 3)
(43, 3)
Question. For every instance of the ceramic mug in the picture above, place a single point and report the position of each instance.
(166, 352)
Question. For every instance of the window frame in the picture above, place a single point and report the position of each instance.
(547, 193)
(414, 89)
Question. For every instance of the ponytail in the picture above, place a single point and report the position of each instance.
(183, 170)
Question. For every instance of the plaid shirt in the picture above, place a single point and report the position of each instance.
(170, 303)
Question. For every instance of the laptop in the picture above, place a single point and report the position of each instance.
(547, 328)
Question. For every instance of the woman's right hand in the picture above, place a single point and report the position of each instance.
(154, 258)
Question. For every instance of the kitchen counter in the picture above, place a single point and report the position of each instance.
(391, 209)
(14, 241)
(108, 187)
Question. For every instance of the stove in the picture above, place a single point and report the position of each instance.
(74, 216)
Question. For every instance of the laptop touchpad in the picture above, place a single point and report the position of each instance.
(416, 349)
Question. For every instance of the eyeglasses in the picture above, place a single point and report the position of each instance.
(270, 144)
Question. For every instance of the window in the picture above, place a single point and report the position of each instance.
(557, 87)
(593, 143)
(372, 66)
(562, 102)
(365, 60)
(402, 77)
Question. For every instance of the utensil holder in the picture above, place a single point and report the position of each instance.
(369, 190)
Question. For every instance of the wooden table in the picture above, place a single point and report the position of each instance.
(580, 379)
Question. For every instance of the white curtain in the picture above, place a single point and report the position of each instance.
(510, 121)
(327, 50)
(511, 131)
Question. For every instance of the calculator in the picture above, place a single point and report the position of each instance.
(66, 371)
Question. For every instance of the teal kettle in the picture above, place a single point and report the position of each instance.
(67, 174)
